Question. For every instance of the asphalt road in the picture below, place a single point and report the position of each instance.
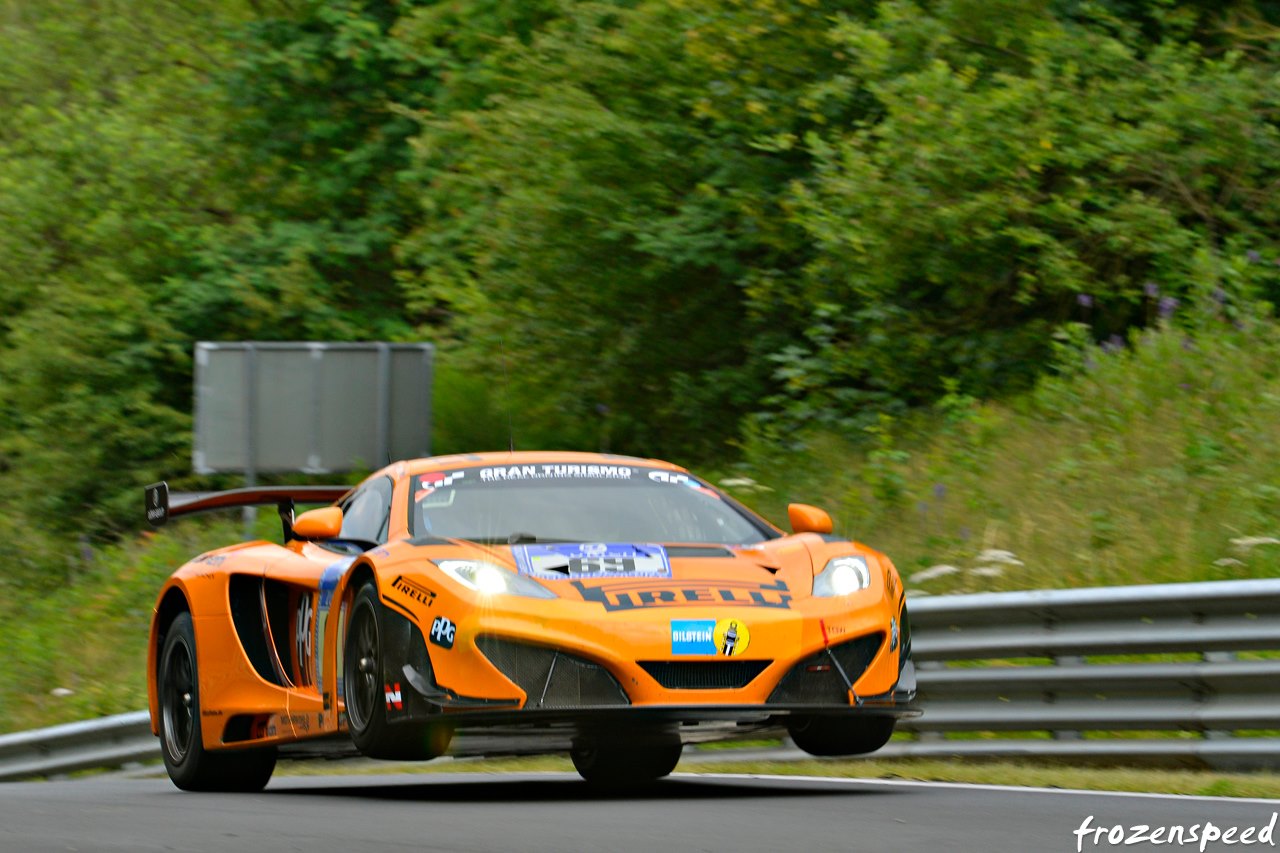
(557, 812)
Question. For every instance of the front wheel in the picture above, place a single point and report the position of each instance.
(616, 763)
(190, 765)
(365, 690)
(840, 735)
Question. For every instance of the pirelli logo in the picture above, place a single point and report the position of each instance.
(413, 590)
(630, 596)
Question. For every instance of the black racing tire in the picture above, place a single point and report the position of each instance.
(625, 763)
(362, 672)
(364, 691)
(190, 765)
(840, 735)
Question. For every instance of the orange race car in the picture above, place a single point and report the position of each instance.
(514, 603)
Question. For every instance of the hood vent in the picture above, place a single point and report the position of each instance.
(698, 551)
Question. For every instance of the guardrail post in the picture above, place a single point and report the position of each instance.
(926, 735)
(1050, 698)
(1205, 693)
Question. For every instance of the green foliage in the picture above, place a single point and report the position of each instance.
(983, 276)
(1026, 172)
(315, 142)
(1155, 462)
(885, 464)
(103, 168)
(607, 217)
(1152, 462)
(655, 226)
(89, 636)
(465, 417)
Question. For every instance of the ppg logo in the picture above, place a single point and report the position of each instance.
(442, 632)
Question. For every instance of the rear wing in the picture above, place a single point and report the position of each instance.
(160, 508)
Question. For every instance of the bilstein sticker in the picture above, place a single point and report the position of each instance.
(693, 636)
(731, 637)
(726, 637)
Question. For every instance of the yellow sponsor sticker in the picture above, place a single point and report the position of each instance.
(731, 637)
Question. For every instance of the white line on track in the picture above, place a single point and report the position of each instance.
(968, 786)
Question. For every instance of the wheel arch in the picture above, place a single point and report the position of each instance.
(173, 602)
(361, 573)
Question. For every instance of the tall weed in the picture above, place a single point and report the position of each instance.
(1150, 460)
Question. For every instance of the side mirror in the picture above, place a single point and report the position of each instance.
(323, 523)
(808, 519)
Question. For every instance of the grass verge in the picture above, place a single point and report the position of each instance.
(1154, 463)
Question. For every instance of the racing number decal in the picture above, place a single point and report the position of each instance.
(303, 638)
(602, 566)
(560, 561)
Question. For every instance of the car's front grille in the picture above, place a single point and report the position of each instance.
(552, 678)
(816, 680)
(704, 675)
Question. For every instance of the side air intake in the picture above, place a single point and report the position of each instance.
(816, 680)
(552, 678)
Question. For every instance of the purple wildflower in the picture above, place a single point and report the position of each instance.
(1253, 256)
(939, 491)
(1113, 344)
(1219, 295)
(1184, 386)
(1084, 300)
(1167, 306)
(1151, 289)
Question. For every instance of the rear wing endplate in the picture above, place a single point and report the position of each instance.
(160, 508)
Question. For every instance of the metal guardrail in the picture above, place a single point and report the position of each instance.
(1045, 662)
(87, 745)
(998, 664)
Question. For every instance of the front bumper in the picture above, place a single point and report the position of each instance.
(533, 732)
(508, 668)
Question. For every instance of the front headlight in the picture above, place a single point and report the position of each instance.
(488, 579)
(842, 576)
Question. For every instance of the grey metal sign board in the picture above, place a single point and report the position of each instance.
(311, 407)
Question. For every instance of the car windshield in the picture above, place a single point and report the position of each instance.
(558, 502)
